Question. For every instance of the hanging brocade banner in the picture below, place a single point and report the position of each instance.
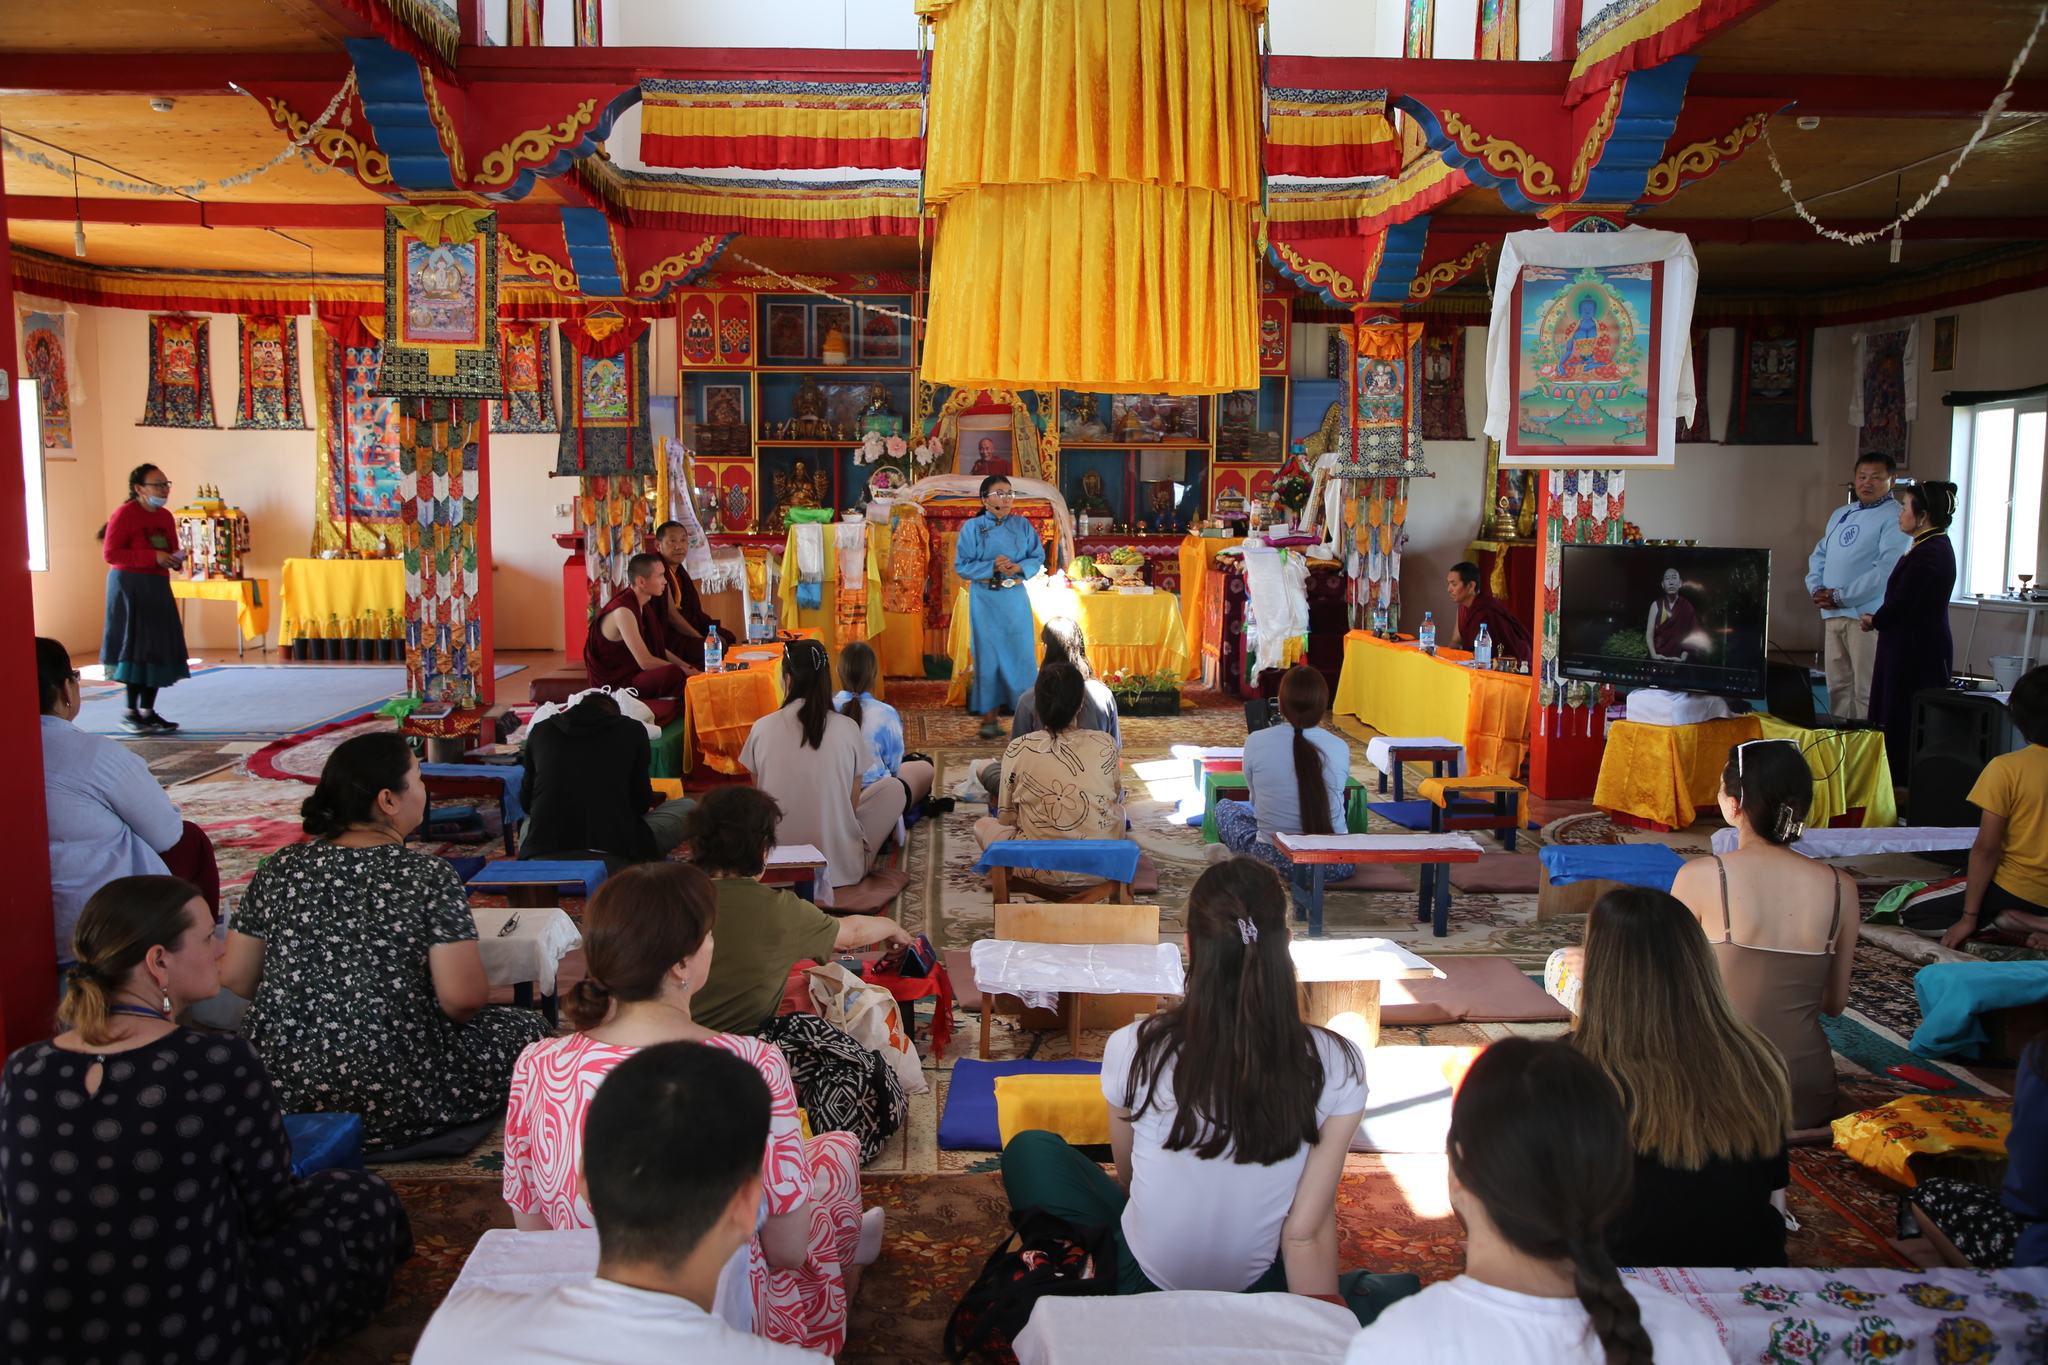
(1772, 404)
(1385, 442)
(441, 303)
(529, 403)
(605, 426)
(356, 484)
(1441, 357)
(180, 374)
(615, 516)
(269, 372)
(1884, 394)
(1375, 532)
(1500, 31)
(437, 464)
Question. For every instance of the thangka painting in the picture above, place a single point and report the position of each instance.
(1773, 387)
(529, 405)
(1586, 362)
(1885, 430)
(1385, 439)
(269, 372)
(45, 360)
(358, 492)
(605, 425)
(1442, 357)
(180, 374)
(441, 303)
(1420, 29)
(1699, 430)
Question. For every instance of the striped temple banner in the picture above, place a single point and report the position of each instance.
(782, 125)
(1330, 133)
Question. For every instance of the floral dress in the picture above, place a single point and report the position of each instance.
(551, 1092)
(346, 1017)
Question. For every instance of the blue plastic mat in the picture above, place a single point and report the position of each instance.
(325, 1142)
(1407, 814)
(1111, 859)
(258, 699)
(969, 1123)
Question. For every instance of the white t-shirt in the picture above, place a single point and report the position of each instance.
(1460, 1321)
(1196, 1224)
(595, 1322)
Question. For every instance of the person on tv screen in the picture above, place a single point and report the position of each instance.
(1673, 632)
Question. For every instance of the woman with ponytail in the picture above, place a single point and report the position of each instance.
(146, 1176)
(1296, 774)
(359, 957)
(647, 947)
(810, 759)
(1229, 1117)
(1781, 925)
(1539, 1162)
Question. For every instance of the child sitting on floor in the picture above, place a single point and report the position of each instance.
(2009, 861)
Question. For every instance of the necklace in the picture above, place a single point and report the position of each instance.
(143, 1010)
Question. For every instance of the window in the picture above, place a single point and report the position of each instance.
(1998, 454)
(32, 474)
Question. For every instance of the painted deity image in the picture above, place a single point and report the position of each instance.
(441, 294)
(1583, 372)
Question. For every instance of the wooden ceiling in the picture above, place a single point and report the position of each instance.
(171, 26)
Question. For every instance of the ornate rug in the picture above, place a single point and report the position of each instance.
(1881, 987)
(172, 761)
(300, 757)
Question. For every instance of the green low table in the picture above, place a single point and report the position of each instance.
(1232, 786)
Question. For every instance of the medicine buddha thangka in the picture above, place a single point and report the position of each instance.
(1583, 373)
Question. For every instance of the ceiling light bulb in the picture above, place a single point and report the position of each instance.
(1808, 122)
(163, 104)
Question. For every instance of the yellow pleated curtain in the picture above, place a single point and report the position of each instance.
(1097, 167)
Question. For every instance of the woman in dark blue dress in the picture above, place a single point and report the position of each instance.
(1914, 648)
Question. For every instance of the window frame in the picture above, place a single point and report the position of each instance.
(1963, 455)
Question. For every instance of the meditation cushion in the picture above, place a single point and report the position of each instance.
(325, 1142)
(969, 1123)
(1071, 1106)
(871, 895)
(1474, 990)
(558, 686)
(1407, 814)
(1500, 873)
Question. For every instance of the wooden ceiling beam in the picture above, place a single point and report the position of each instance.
(168, 73)
(1771, 231)
(165, 211)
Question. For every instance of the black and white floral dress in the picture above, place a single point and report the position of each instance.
(156, 1219)
(346, 1017)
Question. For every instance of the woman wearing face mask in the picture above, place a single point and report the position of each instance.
(143, 643)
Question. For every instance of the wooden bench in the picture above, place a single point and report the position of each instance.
(1434, 852)
(1493, 803)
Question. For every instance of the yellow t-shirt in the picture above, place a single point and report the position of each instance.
(2015, 785)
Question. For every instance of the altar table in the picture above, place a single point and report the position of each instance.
(1667, 773)
(346, 589)
(720, 708)
(1129, 633)
(251, 597)
(1399, 690)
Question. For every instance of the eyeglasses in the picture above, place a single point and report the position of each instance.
(164, 484)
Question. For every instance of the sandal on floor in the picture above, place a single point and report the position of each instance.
(990, 730)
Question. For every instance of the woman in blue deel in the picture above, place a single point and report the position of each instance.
(996, 552)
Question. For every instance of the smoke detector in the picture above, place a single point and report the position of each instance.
(163, 104)
(1808, 122)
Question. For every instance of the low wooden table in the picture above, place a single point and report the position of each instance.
(1435, 852)
(1322, 998)
(797, 866)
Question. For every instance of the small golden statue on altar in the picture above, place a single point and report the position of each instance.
(800, 488)
(809, 408)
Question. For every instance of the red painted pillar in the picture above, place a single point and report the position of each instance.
(1565, 742)
(28, 950)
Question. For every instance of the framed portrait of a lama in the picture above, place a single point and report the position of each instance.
(1586, 364)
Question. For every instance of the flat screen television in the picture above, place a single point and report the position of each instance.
(1683, 617)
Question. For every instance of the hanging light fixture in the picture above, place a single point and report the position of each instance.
(77, 213)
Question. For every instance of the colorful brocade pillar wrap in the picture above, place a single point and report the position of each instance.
(1582, 507)
(439, 479)
(269, 371)
(524, 19)
(180, 374)
(615, 514)
(1500, 31)
(1375, 532)
(1096, 164)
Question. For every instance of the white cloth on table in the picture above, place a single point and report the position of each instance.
(1461, 1320)
(726, 571)
(1928, 1322)
(1277, 582)
(508, 1261)
(850, 546)
(539, 938)
(1084, 968)
(108, 818)
(1379, 751)
(1354, 959)
(1196, 1224)
(810, 551)
(1867, 843)
(1655, 706)
(1186, 1327)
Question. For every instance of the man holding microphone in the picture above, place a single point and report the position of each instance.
(1846, 574)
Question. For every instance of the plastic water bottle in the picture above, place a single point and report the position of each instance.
(1379, 620)
(1482, 650)
(1428, 632)
(714, 651)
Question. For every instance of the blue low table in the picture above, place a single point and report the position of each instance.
(1115, 861)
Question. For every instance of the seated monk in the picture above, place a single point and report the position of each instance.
(688, 622)
(1477, 607)
(628, 642)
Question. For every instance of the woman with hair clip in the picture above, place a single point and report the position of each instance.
(360, 958)
(1229, 1117)
(1707, 1099)
(1782, 926)
(143, 642)
(1539, 1159)
(1914, 647)
(882, 728)
(647, 944)
(810, 759)
(1295, 773)
(147, 1203)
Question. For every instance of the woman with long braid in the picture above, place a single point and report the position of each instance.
(1540, 1158)
(1295, 773)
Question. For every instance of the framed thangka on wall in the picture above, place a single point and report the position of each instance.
(1585, 362)
(441, 303)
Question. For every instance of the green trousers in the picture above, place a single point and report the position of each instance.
(1040, 1170)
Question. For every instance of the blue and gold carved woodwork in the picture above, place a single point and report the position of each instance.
(1400, 258)
(395, 103)
(1435, 278)
(1626, 133)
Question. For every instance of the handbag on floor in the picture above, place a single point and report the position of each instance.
(842, 1087)
(1045, 1255)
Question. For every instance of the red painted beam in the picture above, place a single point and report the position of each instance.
(1421, 76)
(1773, 231)
(164, 211)
(168, 73)
(627, 65)
(1874, 96)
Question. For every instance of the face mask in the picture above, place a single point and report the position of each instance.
(152, 501)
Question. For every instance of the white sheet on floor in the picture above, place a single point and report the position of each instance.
(1354, 959)
(1867, 843)
(1087, 968)
(514, 1262)
(1186, 1327)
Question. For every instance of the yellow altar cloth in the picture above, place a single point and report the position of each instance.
(1398, 690)
(1126, 633)
(346, 589)
(251, 597)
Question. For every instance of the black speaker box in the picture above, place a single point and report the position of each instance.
(1954, 735)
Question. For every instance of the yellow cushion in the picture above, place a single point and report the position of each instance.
(670, 787)
(1071, 1106)
(1438, 789)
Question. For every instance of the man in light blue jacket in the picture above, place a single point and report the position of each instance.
(1846, 574)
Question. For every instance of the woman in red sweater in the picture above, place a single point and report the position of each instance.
(143, 643)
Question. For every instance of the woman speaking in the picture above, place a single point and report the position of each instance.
(1914, 648)
(143, 642)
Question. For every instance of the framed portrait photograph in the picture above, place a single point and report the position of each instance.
(725, 405)
(881, 336)
(789, 331)
(825, 318)
(1155, 417)
(986, 452)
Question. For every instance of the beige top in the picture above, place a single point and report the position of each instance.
(814, 787)
(1064, 786)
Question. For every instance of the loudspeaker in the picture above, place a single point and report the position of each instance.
(1954, 735)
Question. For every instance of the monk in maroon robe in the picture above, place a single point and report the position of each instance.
(1477, 607)
(628, 641)
(1673, 628)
